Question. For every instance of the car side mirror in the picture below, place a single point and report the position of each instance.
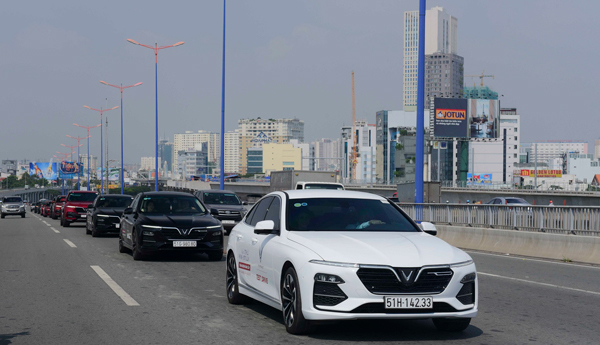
(128, 210)
(429, 228)
(264, 227)
(214, 212)
(90, 206)
(244, 203)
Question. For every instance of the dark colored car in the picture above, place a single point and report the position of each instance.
(169, 222)
(35, 207)
(230, 208)
(104, 215)
(57, 206)
(75, 208)
(12, 206)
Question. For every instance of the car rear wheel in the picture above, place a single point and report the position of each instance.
(291, 299)
(452, 325)
(22, 215)
(2, 215)
(233, 291)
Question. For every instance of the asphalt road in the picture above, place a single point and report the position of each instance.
(60, 286)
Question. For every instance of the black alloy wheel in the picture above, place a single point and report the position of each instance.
(94, 231)
(233, 291)
(87, 228)
(291, 302)
(137, 254)
(451, 325)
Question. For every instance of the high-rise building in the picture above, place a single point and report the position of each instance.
(597, 149)
(365, 158)
(327, 155)
(307, 154)
(147, 163)
(277, 157)
(83, 158)
(256, 132)
(232, 153)
(194, 161)
(165, 153)
(188, 140)
(554, 152)
(441, 31)
(444, 75)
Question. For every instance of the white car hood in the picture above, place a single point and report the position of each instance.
(397, 249)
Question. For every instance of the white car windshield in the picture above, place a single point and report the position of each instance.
(345, 214)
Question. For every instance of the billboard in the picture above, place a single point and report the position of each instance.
(450, 118)
(45, 170)
(542, 173)
(484, 118)
(69, 169)
(112, 176)
(479, 179)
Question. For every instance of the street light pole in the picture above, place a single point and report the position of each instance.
(222, 159)
(88, 150)
(156, 48)
(121, 88)
(101, 144)
(78, 145)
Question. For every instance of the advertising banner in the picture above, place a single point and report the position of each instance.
(450, 118)
(542, 173)
(478, 179)
(484, 118)
(69, 169)
(113, 175)
(46, 170)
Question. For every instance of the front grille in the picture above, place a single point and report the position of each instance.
(80, 210)
(466, 295)
(328, 294)
(386, 281)
(170, 233)
(175, 234)
(229, 213)
(379, 308)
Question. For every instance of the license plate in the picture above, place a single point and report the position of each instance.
(83, 215)
(184, 243)
(228, 221)
(117, 225)
(405, 302)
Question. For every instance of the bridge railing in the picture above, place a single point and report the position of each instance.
(576, 220)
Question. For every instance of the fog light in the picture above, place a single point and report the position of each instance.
(216, 233)
(148, 233)
(328, 278)
(469, 278)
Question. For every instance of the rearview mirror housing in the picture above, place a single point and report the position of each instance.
(128, 210)
(264, 227)
(429, 228)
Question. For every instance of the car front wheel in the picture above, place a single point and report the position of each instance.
(291, 299)
(233, 292)
(137, 254)
(452, 325)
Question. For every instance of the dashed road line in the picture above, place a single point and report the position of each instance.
(53, 229)
(115, 287)
(71, 244)
(538, 283)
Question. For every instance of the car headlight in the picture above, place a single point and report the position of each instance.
(328, 278)
(152, 227)
(105, 216)
(462, 264)
(469, 278)
(71, 206)
(333, 263)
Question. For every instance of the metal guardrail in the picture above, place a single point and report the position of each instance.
(575, 220)
(555, 188)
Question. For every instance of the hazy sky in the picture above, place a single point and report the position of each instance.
(285, 59)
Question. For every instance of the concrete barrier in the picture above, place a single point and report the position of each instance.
(550, 246)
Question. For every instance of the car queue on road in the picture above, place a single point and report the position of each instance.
(315, 255)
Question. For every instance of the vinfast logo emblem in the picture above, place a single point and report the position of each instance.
(407, 275)
(244, 266)
(451, 114)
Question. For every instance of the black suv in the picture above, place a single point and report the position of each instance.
(229, 208)
(104, 215)
(12, 206)
(169, 222)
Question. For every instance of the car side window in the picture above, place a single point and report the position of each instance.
(261, 211)
(274, 212)
(134, 203)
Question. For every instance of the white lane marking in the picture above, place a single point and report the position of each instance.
(43, 221)
(538, 283)
(71, 244)
(115, 287)
(53, 229)
(536, 260)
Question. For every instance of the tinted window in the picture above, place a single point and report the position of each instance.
(516, 201)
(118, 202)
(82, 196)
(344, 214)
(322, 186)
(497, 201)
(261, 211)
(171, 204)
(273, 213)
(135, 202)
(12, 199)
(221, 199)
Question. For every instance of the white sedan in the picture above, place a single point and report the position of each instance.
(341, 255)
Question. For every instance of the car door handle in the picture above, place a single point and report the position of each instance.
(239, 237)
(254, 240)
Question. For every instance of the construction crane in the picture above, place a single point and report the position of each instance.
(481, 76)
(354, 160)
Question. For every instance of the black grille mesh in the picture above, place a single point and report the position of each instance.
(382, 280)
(328, 294)
(466, 295)
(379, 308)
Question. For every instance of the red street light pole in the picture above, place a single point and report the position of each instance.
(156, 48)
(101, 145)
(78, 145)
(88, 150)
(121, 88)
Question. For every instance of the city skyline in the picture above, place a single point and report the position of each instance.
(53, 56)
